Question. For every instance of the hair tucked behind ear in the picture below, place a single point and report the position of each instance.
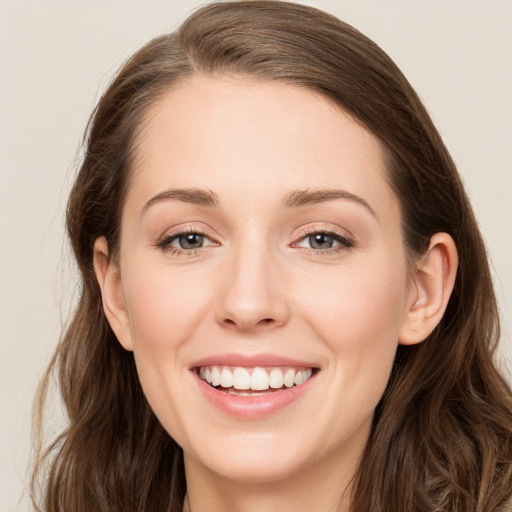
(442, 434)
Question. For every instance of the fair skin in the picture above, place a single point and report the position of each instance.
(259, 230)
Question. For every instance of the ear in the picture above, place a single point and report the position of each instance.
(432, 284)
(109, 280)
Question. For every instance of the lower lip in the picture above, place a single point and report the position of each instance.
(252, 407)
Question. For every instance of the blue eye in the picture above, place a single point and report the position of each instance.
(323, 240)
(188, 241)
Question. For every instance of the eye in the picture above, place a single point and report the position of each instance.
(321, 241)
(189, 241)
(324, 241)
(185, 241)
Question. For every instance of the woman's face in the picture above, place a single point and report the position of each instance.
(261, 247)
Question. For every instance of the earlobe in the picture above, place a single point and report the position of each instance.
(431, 288)
(109, 280)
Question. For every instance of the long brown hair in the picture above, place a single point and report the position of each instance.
(442, 433)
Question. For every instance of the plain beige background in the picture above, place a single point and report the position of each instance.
(57, 56)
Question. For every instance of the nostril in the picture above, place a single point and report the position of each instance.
(262, 322)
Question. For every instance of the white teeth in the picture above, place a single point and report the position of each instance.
(298, 378)
(241, 379)
(276, 378)
(226, 378)
(259, 380)
(289, 378)
(215, 376)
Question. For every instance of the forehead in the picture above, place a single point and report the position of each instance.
(255, 138)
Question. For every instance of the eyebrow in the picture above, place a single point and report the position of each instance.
(294, 199)
(187, 195)
(305, 197)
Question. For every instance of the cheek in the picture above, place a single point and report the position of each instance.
(162, 307)
(358, 317)
(164, 310)
(353, 303)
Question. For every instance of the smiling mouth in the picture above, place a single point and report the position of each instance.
(242, 381)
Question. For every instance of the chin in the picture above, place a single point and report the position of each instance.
(253, 464)
(274, 456)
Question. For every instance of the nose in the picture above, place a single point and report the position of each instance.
(252, 294)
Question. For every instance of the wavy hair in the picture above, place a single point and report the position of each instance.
(441, 438)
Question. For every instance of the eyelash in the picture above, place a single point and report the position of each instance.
(345, 242)
(165, 242)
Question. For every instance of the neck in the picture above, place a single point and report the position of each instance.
(322, 488)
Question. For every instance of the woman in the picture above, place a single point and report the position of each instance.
(286, 301)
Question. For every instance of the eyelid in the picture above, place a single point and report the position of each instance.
(343, 236)
(346, 239)
(163, 241)
(322, 227)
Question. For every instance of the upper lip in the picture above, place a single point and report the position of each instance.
(251, 361)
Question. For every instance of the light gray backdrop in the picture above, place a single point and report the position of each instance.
(56, 56)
